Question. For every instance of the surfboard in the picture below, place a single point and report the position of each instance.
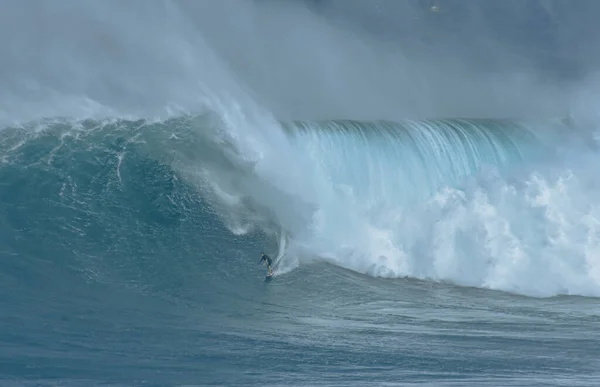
(268, 277)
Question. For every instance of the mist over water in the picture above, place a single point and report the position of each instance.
(296, 59)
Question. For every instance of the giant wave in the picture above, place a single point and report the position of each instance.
(502, 204)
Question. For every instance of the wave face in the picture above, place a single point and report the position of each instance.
(479, 203)
(475, 202)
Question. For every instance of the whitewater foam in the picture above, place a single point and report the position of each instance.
(470, 202)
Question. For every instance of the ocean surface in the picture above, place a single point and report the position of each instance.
(438, 252)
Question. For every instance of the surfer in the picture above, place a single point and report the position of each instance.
(268, 261)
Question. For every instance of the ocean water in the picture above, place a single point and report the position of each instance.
(438, 251)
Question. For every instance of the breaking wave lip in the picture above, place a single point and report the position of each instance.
(473, 202)
(501, 204)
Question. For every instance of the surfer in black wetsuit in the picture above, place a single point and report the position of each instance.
(269, 262)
